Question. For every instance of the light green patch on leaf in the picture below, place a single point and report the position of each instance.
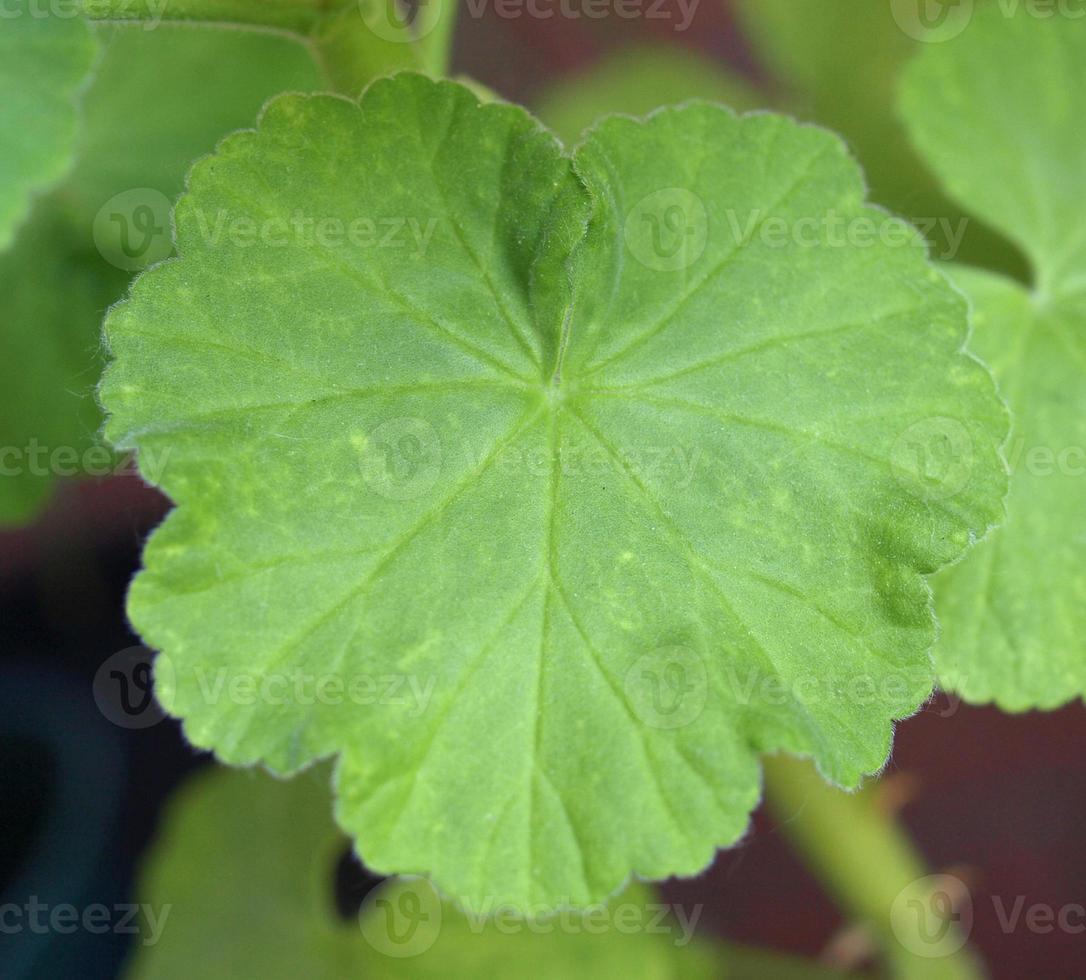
(839, 63)
(634, 80)
(44, 63)
(571, 497)
(159, 100)
(997, 111)
(244, 865)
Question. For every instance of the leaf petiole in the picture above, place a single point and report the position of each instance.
(864, 860)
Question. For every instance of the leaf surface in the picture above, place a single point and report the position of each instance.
(997, 113)
(574, 507)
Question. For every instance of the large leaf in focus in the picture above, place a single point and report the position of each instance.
(245, 867)
(838, 63)
(44, 62)
(159, 99)
(635, 80)
(998, 111)
(604, 495)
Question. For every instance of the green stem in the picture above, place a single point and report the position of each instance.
(351, 44)
(436, 25)
(866, 862)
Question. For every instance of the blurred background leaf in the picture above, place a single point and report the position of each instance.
(635, 80)
(44, 61)
(159, 100)
(241, 883)
(838, 63)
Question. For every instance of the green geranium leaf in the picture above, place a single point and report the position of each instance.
(45, 61)
(1031, 189)
(535, 489)
(162, 98)
(838, 63)
(1014, 613)
(271, 850)
(635, 80)
(54, 294)
(159, 99)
